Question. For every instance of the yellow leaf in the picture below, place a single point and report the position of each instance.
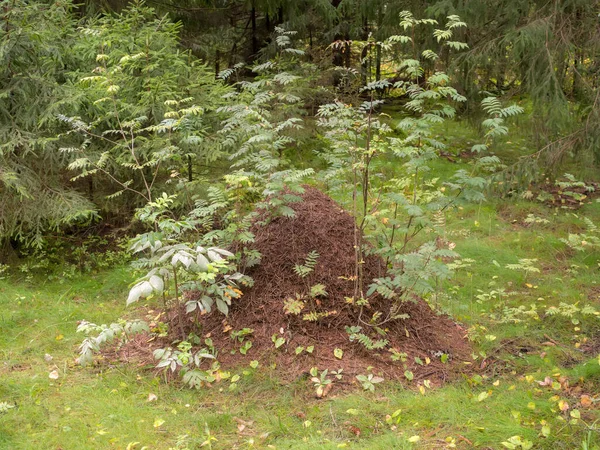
(414, 439)
(546, 430)
(563, 405)
(531, 405)
(158, 422)
(482, 396)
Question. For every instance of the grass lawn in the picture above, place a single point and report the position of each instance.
(536, 381)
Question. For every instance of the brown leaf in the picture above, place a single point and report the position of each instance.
(547, 382)
(586, 401)
(327, 389)
(246, 423)
(354, 430)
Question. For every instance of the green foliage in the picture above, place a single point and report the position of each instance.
(146, 107)
(36, 40)
(320, 381)
(494, 125)
(410, 205)
(355, 335)
(587, 241)
(105, 334)
(368, 382)
(303, 270)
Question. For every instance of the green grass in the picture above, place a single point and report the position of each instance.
(106, 406)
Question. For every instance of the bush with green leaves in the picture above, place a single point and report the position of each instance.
(147, 109)
(264, 123)
(403, 223)
(36, 40)
(589, 240)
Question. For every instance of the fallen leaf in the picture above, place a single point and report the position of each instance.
(152, 397)
(53, 375)
(563, 405)
(482, 396)
(246, 423)
(327, 389)
(158, 422)
(586, 401)
(354, 430)
(48, 357)
(547, 382)
(546, 430)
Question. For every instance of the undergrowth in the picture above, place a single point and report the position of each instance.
(539, 379)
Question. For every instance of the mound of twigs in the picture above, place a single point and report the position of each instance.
(431, 346)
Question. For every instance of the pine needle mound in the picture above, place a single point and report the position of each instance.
(321, 225)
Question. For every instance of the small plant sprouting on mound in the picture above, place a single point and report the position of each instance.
(105, 334)
(295, 305)
(303, 270)
(355, 334)
(321, 382)
(368, 382)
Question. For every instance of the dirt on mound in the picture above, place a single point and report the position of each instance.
(429, 345)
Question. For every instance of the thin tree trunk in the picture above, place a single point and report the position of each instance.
(378, 63)
(347, 52)
(254, 37)
(217, 63)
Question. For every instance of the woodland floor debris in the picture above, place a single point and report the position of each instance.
(321, 225)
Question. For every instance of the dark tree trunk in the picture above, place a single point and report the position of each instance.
(254, 37)
(347, 52)
(378, 63)
(217, 63)
(364, 66)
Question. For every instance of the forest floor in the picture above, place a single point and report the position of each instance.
(532, 379)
